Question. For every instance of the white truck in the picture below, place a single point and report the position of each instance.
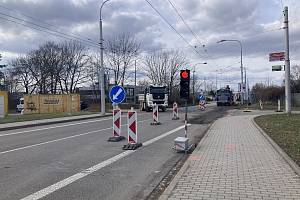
(154, 94)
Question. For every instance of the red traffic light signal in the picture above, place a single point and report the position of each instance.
(184, 84)
(184, 74)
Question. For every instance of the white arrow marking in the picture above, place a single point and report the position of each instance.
(115, 96)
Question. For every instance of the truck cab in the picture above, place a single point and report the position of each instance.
(224, 97)
(154, 95)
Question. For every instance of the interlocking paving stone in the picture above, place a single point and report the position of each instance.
(235, 161)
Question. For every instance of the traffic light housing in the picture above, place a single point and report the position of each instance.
(185, 84)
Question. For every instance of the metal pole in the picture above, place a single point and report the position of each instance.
(185, 119)
(245, 81)
(134, 96)
(205, 85)
(101, 71)
(287, 63)
(242, 81)
(216, 80)
(194, 86)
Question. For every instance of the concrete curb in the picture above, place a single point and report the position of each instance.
(35, 124)
(286, 157)
(172, 185)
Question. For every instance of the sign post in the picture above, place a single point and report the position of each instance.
(117, 95)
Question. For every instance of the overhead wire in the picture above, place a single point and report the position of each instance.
(192, 32)
(172, 27)
(42, 22)
(45, 29)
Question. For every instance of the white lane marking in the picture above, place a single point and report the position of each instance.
(67, 181)
(52, 127)
(57, 140)
(60, 126)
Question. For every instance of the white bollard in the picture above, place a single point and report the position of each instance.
(155, 115)
(175, 111)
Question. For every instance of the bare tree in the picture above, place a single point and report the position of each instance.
(73, 63)
(52, 68)
(162, 67)
(120, 52)
(22, 73)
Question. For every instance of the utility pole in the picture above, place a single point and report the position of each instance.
(216, 80)
(134, 96)
(287, 63)
(101, 70)
(245, 82)
(205, 85)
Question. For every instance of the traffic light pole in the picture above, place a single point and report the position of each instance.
(185, 119)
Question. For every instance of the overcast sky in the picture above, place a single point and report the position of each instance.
(256, 23)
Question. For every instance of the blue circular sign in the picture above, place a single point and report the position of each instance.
(117, 94)
(201, 97)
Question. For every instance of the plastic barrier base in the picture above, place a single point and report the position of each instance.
(132, 146)
(188, 150)
(116, 139)
(155, 123)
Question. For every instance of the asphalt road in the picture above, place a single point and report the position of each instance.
(74, 160)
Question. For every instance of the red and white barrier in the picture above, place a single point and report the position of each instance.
(175, 111)
(132, 127)
(132, 131)
(117, 113)
(117, 122)
(202, 105)
(155, 115)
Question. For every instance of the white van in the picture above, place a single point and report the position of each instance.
(20, 105)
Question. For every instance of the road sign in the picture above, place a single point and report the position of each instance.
(201, 97)
(277, 67)
(117, 94)
(279, 56)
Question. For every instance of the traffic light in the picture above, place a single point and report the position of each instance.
(184, 84)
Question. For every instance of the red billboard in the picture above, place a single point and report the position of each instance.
(279, 56)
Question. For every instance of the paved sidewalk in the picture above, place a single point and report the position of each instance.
(24, 124)
(234, 161)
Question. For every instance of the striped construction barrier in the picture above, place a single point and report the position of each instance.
(175, 111)
(117, 113)
(155, 115)
(132, 131)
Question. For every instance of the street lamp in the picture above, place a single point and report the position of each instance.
(204, 63)
(101, 71)
(242, 81)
